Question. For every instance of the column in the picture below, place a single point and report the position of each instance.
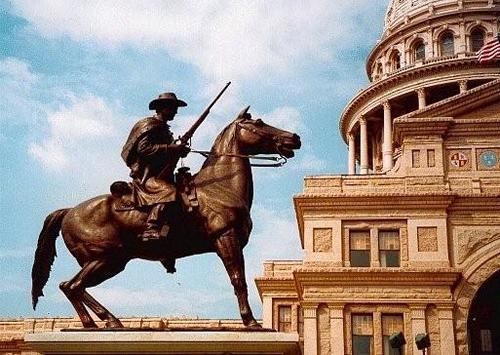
(421, 98)
(417, 325)
(267, 312)
(336, 329)
(378, 346)
(363, 144)
(463, 85)
(387, 162)
(374, 254)
(352, 159)
(446, 333)
(310, 331)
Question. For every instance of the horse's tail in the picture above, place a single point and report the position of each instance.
(45, 253)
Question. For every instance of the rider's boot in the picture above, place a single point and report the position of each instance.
(155, 228)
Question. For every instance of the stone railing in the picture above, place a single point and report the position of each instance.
(381, 184)
(282, 268)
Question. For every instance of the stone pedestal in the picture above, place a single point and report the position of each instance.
(163, 342)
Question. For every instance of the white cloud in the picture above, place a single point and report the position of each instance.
(81, 143)
(17, 82)
(17, 71)
(224, 39)
(275, 237)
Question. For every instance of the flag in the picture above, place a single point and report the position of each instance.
(490, 51)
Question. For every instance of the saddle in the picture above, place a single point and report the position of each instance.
(124, 194)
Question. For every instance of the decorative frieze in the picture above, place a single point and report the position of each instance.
(470, 240)
(322, 240)
(427, 239)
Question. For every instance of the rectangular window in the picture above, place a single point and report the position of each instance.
(431, 158)
(388, 245)
(486, 343)
(359, 242)
(391, 324)
(415, 158)
(300, 321)
(362, 334)
(285, 319)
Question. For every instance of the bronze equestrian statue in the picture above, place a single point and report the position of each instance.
(103, 236)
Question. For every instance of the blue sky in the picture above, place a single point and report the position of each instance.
(76, 75)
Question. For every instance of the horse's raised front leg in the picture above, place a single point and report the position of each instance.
(229, 250)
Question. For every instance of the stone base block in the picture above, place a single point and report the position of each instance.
(164, 342)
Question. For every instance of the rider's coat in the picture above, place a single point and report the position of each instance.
(151, 163)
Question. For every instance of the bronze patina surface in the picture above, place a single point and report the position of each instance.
(103, 238)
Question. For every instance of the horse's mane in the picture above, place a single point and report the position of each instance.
(226, 137)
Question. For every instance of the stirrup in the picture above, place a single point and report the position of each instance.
(155, 234)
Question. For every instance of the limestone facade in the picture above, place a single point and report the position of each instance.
(406, 239)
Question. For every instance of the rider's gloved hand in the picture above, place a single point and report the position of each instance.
(180, 149)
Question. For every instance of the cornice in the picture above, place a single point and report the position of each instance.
(377, 197)
(423, 126)
(411, 74)
(327, 277)
(372, 200)
(457, 104)
(275, 285)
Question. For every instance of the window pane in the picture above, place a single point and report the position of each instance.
(300, 325)
(389, 258)
(360, 240)
(431, 158)
(390, 351)
(392, 323)
(362, 324)
(415, 158)
(477, 40)
(285, 318)
(388, 240)
(362, 345)
(447, 45)
(486, 344)
(420, 51)
(360, 258)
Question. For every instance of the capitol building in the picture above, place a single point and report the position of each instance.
(408, 239)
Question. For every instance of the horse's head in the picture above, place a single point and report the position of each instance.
(256, 137)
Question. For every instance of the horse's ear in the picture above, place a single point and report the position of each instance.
(243, 114)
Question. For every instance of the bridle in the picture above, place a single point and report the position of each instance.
(279, 161)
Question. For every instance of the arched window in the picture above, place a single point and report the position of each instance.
(395, 60)
(447, 44)
(476, 39)
(419, 50)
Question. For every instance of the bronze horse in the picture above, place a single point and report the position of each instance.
(104, 240)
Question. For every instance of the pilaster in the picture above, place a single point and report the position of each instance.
(310, 330)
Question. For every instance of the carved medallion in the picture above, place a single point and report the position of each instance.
(488, 159)
(459, 159)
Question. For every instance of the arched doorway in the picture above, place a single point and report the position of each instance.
(483, 323)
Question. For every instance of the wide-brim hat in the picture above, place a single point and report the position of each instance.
(165, 99)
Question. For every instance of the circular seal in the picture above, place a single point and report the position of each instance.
(459, 160)
(488, 158)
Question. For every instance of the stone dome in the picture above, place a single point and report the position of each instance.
(403, 11)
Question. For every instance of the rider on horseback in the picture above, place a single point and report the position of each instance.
(151, 155)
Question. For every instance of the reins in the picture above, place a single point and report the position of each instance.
(280, 161)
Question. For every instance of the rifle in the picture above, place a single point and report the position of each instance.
(187, 136)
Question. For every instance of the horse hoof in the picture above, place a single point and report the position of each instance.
(114, 324)
(252, 324)
(90, 325)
